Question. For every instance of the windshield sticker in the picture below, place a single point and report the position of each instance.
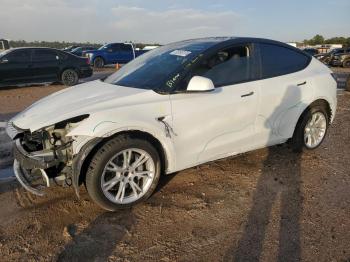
(170, 83)
(182, 53)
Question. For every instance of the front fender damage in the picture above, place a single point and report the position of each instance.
(78, 161)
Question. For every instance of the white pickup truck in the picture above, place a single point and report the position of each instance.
(4, 44)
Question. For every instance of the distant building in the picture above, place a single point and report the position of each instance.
(326, 47)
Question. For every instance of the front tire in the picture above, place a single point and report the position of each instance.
(123, 172)
(99, 62)
(311, 128)
(69, 77)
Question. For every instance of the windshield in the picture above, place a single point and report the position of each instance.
(77, 49)
(160, 68)
(103, 47)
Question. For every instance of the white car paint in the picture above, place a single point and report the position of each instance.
(206, 126)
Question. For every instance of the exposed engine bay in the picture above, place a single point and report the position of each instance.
(45, 157)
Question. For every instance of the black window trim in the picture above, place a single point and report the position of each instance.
(283, 46)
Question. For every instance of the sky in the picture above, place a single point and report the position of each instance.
(164, 21)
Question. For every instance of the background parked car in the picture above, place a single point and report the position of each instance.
(342, 59)
(113, 53)
(311, 51)
(327, 57)
(79, 50)
(41, 65)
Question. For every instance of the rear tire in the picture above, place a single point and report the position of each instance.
(115, 181)
(99, 62)
(308, 129)
(69, 77)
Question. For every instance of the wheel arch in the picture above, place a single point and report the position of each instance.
(320, 101)
(82, 160)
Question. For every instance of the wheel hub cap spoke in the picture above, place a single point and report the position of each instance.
(127, 176)
(315, 130)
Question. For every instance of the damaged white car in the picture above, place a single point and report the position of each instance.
(172, 108)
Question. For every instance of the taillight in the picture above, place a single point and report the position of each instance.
(87, 59)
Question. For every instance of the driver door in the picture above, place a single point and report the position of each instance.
(15, 67)
(217, 124)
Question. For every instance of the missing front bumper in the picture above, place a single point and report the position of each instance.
(23, 178)
(30, 168)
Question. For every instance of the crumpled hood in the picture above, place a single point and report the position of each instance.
(79, 100)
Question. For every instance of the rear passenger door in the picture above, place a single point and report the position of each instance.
(45, 65)
(15, 67)
(113, 54)
(126, 53)
(284, 89)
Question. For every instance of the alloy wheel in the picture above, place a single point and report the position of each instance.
(315, 130)
(127, 176)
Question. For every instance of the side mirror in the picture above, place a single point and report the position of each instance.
(200, 84)
(4, 61)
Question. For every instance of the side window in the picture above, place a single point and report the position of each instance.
(44, 56)
(229, 66)
(126, 48)
(115, 47)
(278, 60)
(19, 56)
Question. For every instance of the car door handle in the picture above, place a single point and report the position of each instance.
(249, 94)
(301, 84)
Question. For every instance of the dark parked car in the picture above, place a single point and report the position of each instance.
(342, 59)
(79, 50)
(327, 57)
(41, 65)
(311, 51)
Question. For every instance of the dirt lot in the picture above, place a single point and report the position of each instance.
(270, 204)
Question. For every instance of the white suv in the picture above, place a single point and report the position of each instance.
(172, 108)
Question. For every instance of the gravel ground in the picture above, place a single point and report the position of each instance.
(269, 204)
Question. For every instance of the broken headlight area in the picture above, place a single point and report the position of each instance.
(44, 158)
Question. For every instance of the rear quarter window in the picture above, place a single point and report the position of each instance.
(278, 60)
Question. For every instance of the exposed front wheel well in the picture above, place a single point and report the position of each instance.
(132, 134)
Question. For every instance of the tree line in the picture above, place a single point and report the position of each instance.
(320, 40)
